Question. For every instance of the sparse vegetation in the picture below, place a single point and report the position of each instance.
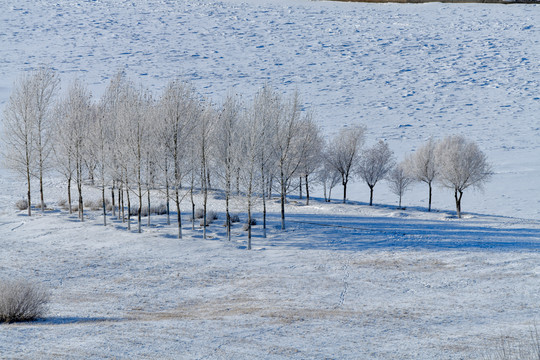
(22, 204)
(21, 300)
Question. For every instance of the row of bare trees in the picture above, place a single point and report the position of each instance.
(133, 144)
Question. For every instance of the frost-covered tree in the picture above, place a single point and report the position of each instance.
(328, 177)
(343, 153)
(203, 140)
(399, 180)
(250, 140)
(374, 164)
(311, 151)
(18, 134)
(287, 146)
(72, 140)
(226, 147)
(178, 114)
(422, 166)
(27, 124)
(45, 85)
(265, 114)
(461, 165)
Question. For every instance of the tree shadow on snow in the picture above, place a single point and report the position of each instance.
(340, 232)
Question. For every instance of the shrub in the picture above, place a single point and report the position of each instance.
(246, 225)
(517, 349)
(21, 300)
(22, 204)
(234, 218)
(210, 217)
(199, 213)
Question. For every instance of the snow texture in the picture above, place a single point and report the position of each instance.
(344, 281)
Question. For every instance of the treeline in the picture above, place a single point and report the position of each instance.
(129, 143)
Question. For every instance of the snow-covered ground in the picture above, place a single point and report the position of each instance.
(378, 283)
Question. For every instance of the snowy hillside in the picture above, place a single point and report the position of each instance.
(406, 71)
(343, 281)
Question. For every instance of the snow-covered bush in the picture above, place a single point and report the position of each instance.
(234, 218)
(22, 204)
(21, 300)
(522, 349)
(210, 217)
(246, 225)
(199, 213)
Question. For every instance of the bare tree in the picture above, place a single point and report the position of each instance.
(265, 114)
(27, 125)
(343, 152)
(178, 112)
(374, 164)
(226, 147)
(203, 137)
(287, 146)
(422, 166)
(399, 180)
(45, 85)
(328, 177)
(74, 124)
(19, 132)
(311, 151)
(462, 164)
(250, 149)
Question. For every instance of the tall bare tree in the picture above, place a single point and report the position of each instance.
(343, 153)
(226, 147)
(178, 112)
(422, 166)
(399, 180)
(462, 165)
(374, 164)
(27, 126)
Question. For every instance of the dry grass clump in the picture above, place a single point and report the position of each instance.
(21, 300)
(22, 204)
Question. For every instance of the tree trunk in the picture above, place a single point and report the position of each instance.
(400, 201)
(264, 211)
(300, 188)
(178, 213)
(69, 195)
(307, 190)
(283, 207)
(249, 223)
(81, 207)
(121, 202)
(139, 211)
(429, 206)
(344, 181)
(103, 204)
(458, 202)
(112, 201)
(41, 186)
(370, 195)
(149, 207)
(29, 193)
(167, 195)
(128, 208)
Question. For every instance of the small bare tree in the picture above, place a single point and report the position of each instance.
(19, 133)
(343, 153)
(422, 166)
(27, 126)
(462, 164)
(374, 164)
(399, 181)
(226, 149)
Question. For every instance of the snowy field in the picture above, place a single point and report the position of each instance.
(379, 283)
